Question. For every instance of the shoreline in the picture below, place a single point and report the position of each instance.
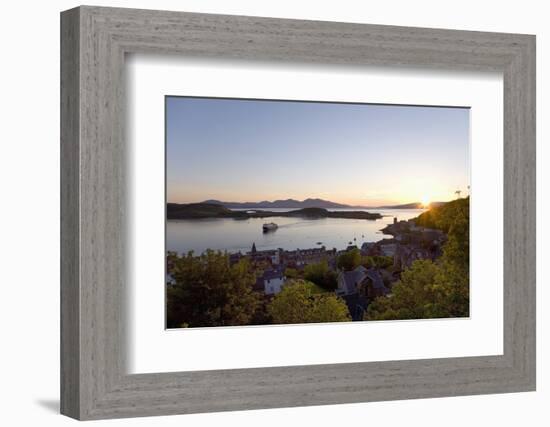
(321, 245)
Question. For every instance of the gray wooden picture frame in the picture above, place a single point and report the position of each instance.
(94, 382)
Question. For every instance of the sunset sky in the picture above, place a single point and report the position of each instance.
(359, 154)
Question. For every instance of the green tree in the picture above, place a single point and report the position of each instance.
(444, 216)
(379, 261)
(413, 297)
(349, 260)
(208, 291)
(457, 248)
(301, 301)
(291, 273)
(321, 275)
(383, 261)
(434, 289)
(368, 261)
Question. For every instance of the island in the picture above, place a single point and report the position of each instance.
(212, 210)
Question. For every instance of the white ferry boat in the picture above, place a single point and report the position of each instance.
(270, 226)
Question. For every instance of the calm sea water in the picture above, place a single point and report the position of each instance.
(233, 235)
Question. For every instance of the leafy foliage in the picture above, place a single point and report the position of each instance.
(433, 289)
(426, 290)
(301, 301)
(444, 216)
(291, 273)
(321, 275)
(208, 291)
(377, 261)
(349, 260)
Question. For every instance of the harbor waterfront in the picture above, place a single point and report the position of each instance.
(291, 212)
(234, 235)
(413, 268)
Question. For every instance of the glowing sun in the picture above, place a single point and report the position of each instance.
(426, 202)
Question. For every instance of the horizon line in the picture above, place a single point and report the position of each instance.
(309, 198)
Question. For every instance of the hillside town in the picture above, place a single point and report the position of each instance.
(357, 286)
(419, 270)
(297, 211)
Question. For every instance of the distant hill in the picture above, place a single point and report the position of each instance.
(307, 203)
(288, 203)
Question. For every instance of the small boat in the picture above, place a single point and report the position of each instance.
(270, 226)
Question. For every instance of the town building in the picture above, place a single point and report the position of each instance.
(301, 257)
(388, 249)
(348, 281)
(271, 282)
(357, 306)
(358, 287)
(373, 284)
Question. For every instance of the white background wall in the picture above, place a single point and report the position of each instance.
(29, 212)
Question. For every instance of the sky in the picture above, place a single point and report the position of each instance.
(237, 150)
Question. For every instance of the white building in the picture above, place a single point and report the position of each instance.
(273, 281)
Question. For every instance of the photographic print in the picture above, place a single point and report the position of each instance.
(293, 212)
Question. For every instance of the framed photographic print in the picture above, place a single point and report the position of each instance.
(262, 213)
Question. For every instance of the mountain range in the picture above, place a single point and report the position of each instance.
(308, 203)
(288, 203)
